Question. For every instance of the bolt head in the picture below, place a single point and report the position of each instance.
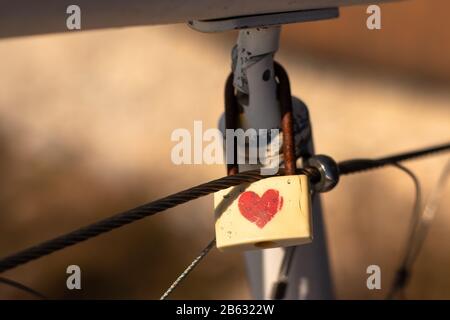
(329, 172)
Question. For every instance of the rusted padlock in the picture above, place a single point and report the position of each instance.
(273, 212)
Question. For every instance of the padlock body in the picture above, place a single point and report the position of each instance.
(273, 212)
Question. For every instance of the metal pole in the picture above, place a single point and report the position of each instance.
(254, 80)
(28, 17)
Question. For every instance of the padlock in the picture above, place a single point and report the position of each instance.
(273, 212)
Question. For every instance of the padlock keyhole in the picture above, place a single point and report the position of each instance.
(266, 244)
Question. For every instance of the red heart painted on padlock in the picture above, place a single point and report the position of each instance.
(260, 210)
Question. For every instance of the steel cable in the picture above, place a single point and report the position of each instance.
(22, 287)
(127, 217)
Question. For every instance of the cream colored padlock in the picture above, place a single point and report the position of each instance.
(273, 212)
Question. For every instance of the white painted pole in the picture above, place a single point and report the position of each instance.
(309, 277)
(28, 17)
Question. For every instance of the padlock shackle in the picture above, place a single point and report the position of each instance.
(287, 123)
(231, 119)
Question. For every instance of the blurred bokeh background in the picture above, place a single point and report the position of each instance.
(85, 125)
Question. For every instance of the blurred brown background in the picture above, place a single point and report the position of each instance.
(85, 124)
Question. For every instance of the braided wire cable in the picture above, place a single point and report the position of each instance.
(138, 213)
(20, 286)
(189, 269)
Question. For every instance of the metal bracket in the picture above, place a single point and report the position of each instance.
(263, 20)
